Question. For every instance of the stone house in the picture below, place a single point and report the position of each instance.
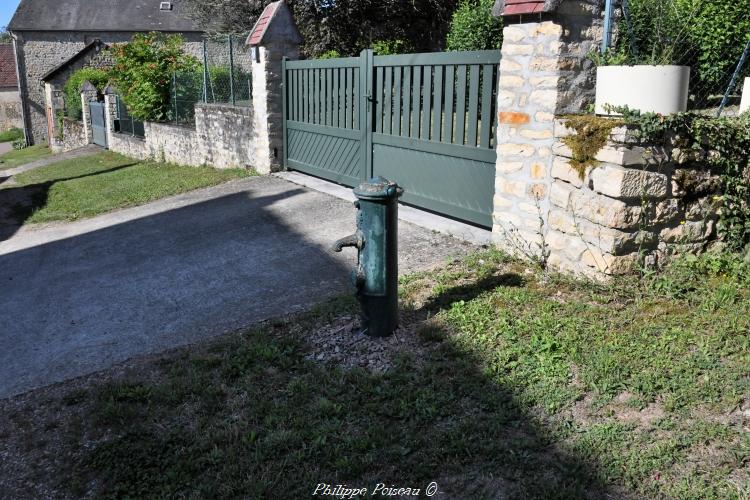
(10, 98)
(52, 38)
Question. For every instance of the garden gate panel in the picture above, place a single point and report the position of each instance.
(426, 121)
(98, 127)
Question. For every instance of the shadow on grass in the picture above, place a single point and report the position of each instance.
(254, 418)
(17, 204)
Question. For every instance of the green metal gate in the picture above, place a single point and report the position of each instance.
(98, 127)
(427, 121)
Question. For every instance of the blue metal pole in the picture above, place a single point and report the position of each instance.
(607, 38)
(735, 76)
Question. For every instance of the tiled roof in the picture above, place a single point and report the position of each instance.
(8, 77)
(259, 30)
(515, 7)
(519, 7)
(102, 15)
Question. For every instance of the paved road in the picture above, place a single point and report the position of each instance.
(5, 147)
(79, 297)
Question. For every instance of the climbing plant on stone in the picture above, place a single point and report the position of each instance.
(143, 71)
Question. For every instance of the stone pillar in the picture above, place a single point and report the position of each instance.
(544, 72)
(274, 37)
(88, 93)
(55, 106)
(110, 111)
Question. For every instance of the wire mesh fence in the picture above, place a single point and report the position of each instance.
(714, 41)
(227, 70)
(224, 77)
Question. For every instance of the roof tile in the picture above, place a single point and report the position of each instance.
(8, 77)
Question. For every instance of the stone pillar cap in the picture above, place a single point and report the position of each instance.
(519, 7)
(87, 86)
(275, 24)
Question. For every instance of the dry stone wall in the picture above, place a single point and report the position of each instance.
(222, 138)
(637, 206)
(10, 109)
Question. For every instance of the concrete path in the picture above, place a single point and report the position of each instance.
(76, 153)
(79, 297)
(6, 147)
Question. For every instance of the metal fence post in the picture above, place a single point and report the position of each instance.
(607, 38)
(733, 82)
(231, 71)
(205, 71)
(174, 94)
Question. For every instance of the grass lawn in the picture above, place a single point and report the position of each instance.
(22, 156)
(91, 185)
(10, 135)
(503, 383)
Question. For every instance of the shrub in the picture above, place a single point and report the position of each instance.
(391, 47)
(12, 134)
(474, 27)
(720, 32)
(72, 89)
(143, 72)
(330, 54)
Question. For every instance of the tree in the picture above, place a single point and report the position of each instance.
(473, 27)
(5, 35)
(346, 26)
(225, 16)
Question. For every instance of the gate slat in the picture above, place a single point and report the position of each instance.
(448, 106)
(471, 139)
(379, 100)
(329, 98)
(437, 120)
(406, 117)
(348, 98)
(461, 106)
(355, 100)
(427, 104)
(484, 140)
(298, 97)
(417, 97)
(338, 108)
(315, 96)
(387, 103)
(396, 123)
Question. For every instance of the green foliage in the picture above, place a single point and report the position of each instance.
(719, 34)
(72, 89)
(609, 58)
(143, 72)
(474, 27)
(12, 134)
(391, 47)
(660, 31)
(330, 54)
(19, 144)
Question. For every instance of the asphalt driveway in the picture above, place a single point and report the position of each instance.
(79, 297)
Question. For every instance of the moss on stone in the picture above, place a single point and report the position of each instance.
(592, 134)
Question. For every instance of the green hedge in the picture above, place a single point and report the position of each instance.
(72, 89)
(474, 27)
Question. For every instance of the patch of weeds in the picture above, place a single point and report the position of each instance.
(432, 330)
